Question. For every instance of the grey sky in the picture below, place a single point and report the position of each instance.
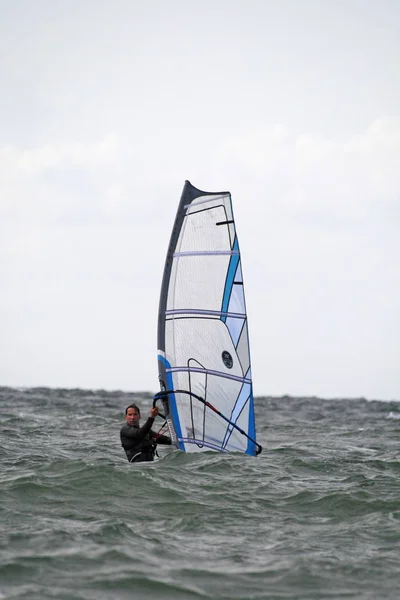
(107, 107)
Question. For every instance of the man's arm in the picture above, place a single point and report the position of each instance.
(161, 439)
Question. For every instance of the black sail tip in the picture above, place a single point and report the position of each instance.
(192, 192)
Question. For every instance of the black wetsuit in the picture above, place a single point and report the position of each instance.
(139, 443)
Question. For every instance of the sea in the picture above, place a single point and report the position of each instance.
(315, 516)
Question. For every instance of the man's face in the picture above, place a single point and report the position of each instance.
(132, 417)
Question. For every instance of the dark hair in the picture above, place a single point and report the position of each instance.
(132, 406)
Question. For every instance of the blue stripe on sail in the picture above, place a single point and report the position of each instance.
(245, 396)
(235, 327)
(233, 263)
(237, 409)
(172, 402)
(251, 447)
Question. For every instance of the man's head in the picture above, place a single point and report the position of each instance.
(132, 415)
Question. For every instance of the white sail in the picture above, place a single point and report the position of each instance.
(203, 343)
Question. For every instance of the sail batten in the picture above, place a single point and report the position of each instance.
(207, 372)
(203, 344)
(199, 311)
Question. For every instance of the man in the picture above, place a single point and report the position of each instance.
(138, 442)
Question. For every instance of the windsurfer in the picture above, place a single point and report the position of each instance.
(138, 442)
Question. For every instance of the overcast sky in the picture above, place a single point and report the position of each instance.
(108, 106)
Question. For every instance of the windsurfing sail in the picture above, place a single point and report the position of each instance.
(203, 341)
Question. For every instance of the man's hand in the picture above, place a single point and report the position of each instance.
(153, 412)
